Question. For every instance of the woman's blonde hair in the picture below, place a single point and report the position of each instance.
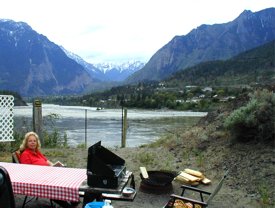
(24, 144)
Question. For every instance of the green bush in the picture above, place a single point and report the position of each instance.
(146, 158)
(255, 121)
(54, 139)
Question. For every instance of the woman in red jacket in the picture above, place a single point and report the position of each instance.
(30, 151)
(30, 154)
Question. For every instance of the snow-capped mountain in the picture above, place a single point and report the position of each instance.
(119, 72)
(107, 71)
(94, 72)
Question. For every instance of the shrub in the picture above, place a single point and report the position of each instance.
(146, 158)
(255, 120)
(54, 139)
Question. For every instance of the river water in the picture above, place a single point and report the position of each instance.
(144, 126)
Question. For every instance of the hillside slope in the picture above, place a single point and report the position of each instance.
(32, 65)
(210, 42)
(250, 67)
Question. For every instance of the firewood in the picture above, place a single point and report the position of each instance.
(144, 172)
(190, 177)
(194, 172)
(206, 181)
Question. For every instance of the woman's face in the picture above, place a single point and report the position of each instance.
(32, 142)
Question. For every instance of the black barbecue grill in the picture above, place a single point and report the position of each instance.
(104, 168)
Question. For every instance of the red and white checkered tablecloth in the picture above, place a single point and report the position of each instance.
(45, 181)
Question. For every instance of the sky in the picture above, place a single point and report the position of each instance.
(121, 30)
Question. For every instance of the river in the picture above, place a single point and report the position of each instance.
(144, 126)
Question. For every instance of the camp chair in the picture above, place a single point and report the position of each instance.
(192, 203)
(6, 192)
(15, 156)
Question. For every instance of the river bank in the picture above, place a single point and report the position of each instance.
(204, 147)
(80, 123)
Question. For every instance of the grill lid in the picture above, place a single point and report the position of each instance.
(102, 161)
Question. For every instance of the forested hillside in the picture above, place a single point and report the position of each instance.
(255, 66)
(210, 43)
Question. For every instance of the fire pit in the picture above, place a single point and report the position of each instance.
(159, 182)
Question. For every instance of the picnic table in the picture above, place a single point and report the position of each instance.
(60, 183)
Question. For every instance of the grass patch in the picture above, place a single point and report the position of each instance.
(264, 191)
(55, 153)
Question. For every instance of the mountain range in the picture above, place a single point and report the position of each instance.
(209, 42)
(252, 67)
(199, 85)
(32, 65)
(107, 71)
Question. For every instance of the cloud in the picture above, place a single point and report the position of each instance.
(101, 30)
